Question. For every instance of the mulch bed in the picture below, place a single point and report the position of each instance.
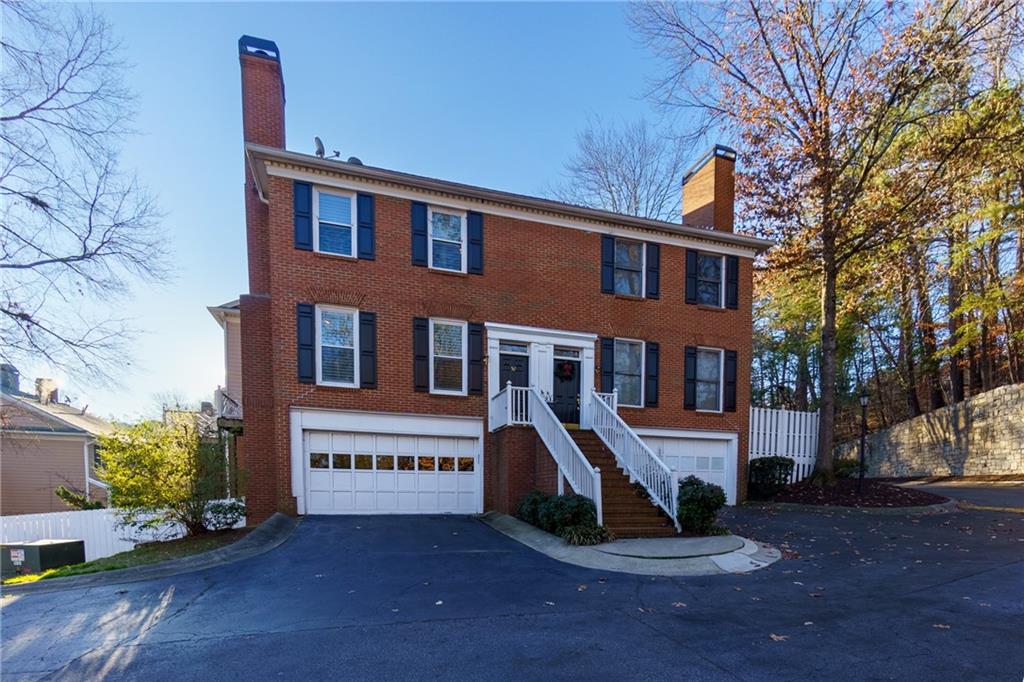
(844, 494)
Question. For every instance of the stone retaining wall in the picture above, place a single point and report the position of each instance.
(982, 435)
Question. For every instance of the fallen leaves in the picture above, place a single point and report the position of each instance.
(779, 638)
(941, 626)
(678, 605)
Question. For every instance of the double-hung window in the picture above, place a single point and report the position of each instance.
(335, 223)
(629, 370)
(709, 379)
(629, 268)
(710, 282)
(448, 341)
(447, 235)
(337, 337)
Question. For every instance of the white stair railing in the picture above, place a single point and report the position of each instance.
(510, 407)
(633, 455)
(584, 478)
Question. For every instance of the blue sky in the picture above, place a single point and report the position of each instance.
(489, 94)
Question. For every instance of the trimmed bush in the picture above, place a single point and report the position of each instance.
(847, 468)
(561, 511)
(585, 535)
(699, 503)
(529, 508)
(769, 475)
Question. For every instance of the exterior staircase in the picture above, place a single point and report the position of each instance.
(626, 514)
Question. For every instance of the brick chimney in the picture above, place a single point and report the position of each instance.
(262, 91)
(10, 379)
(709, 190)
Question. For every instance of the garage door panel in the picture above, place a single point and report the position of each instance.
(705, 458)
(387, 473)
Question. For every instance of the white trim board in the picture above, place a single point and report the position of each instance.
(636, 234)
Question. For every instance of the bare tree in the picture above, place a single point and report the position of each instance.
(631, 169)
(75, 230)
(823, 93)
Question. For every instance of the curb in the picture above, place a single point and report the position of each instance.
(939, 508)
(968, 506)
(265, 537)
(750, 557)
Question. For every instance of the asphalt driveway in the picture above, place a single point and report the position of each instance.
(981, 493)
(857, 597)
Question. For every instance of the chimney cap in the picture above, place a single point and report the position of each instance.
(719, 151)
(259, 47)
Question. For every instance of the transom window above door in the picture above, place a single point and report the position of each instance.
(447, 235)
(335, 221)
(629, 268)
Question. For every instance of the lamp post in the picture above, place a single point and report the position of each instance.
(863, 397)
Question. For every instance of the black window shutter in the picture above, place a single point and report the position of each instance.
(691, 276)
(475, 237)
(305, 318)
(476, 358)
(367, 349)
(303, 209)
(607, 364)
(419, 233)
(690, 379)
(730, 381)
(653, 271)
(732, 282)
(421, 353)
(365, 222)
(607, 264)
(651, 371)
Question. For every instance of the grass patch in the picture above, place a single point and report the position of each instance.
(148, 553)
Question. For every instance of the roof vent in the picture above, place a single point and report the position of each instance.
(355, 160)
(259, 47)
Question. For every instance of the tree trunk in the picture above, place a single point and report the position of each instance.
(906, 350)
(823, 471)
(929, 344)
(956, 373)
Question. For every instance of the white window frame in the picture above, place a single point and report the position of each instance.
(430, 237)
(316, 221)
(643, 369)
(721, 278)
(721, 378)
(355, 346)
(465, 355)
(643, 267)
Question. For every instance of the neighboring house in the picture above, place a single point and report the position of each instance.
(44, 443)
(413, 345)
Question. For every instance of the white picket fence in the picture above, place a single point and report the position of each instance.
(787, 433)
(97, 527)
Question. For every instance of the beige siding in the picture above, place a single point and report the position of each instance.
(31, 466)
(233, 357)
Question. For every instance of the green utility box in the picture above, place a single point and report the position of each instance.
(20, 558)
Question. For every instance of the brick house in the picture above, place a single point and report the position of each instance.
(413, 345)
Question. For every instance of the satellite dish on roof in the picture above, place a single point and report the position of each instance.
(355, 160)
(319, 147)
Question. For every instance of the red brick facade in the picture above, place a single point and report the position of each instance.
(535, 274)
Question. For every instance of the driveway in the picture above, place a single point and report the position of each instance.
(981, 493)
(857, 597)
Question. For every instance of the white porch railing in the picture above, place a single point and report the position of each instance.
(638, 460)
(226, 406)
(519, 406)
(788, 433)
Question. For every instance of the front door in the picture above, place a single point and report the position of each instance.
(514, 368)
(565, 402)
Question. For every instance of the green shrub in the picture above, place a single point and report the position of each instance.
(769, 475)
(585, 535)
(529, 508)
(76, 498)
(699, 502)
(561, 511)
(847, 468)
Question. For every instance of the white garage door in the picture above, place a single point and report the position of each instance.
(705, 458)
(368, 473)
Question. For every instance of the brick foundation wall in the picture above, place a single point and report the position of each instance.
(515, 463)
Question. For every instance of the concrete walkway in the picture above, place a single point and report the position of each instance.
(655, 556)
